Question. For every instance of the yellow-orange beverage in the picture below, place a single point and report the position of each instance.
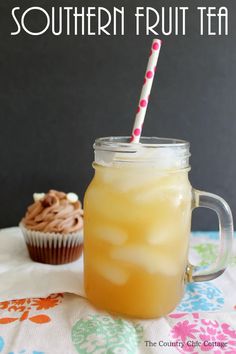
(137, 225)
(137, 213)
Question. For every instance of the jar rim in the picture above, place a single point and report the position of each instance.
(123, 143)
(164, 153)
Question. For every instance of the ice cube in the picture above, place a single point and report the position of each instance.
(111, 272)
(112, 235)
(104, 158)
(137, 180)
(111, 208)
(147, 259)
(128, 180)
(156, 237)
(159, 234)
(163, 192)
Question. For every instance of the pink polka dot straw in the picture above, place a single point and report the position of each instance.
(146, 89)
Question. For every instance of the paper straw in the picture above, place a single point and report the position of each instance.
(145, 93)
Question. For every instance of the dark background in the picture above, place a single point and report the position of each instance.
(58, 93)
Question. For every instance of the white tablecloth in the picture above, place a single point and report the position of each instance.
(64, 323)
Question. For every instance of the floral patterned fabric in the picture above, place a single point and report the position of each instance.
(63, 323)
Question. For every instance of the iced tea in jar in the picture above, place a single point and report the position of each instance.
(137, 214)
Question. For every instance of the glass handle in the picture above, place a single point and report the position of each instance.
(226, 230)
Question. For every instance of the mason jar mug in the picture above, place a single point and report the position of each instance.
(137, 222)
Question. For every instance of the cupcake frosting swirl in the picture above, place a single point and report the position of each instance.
(54, 213)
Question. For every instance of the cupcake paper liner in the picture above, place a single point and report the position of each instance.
(53, 248)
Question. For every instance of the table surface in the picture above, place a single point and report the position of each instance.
(63, 323)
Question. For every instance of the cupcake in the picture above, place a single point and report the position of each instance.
(53, 227)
